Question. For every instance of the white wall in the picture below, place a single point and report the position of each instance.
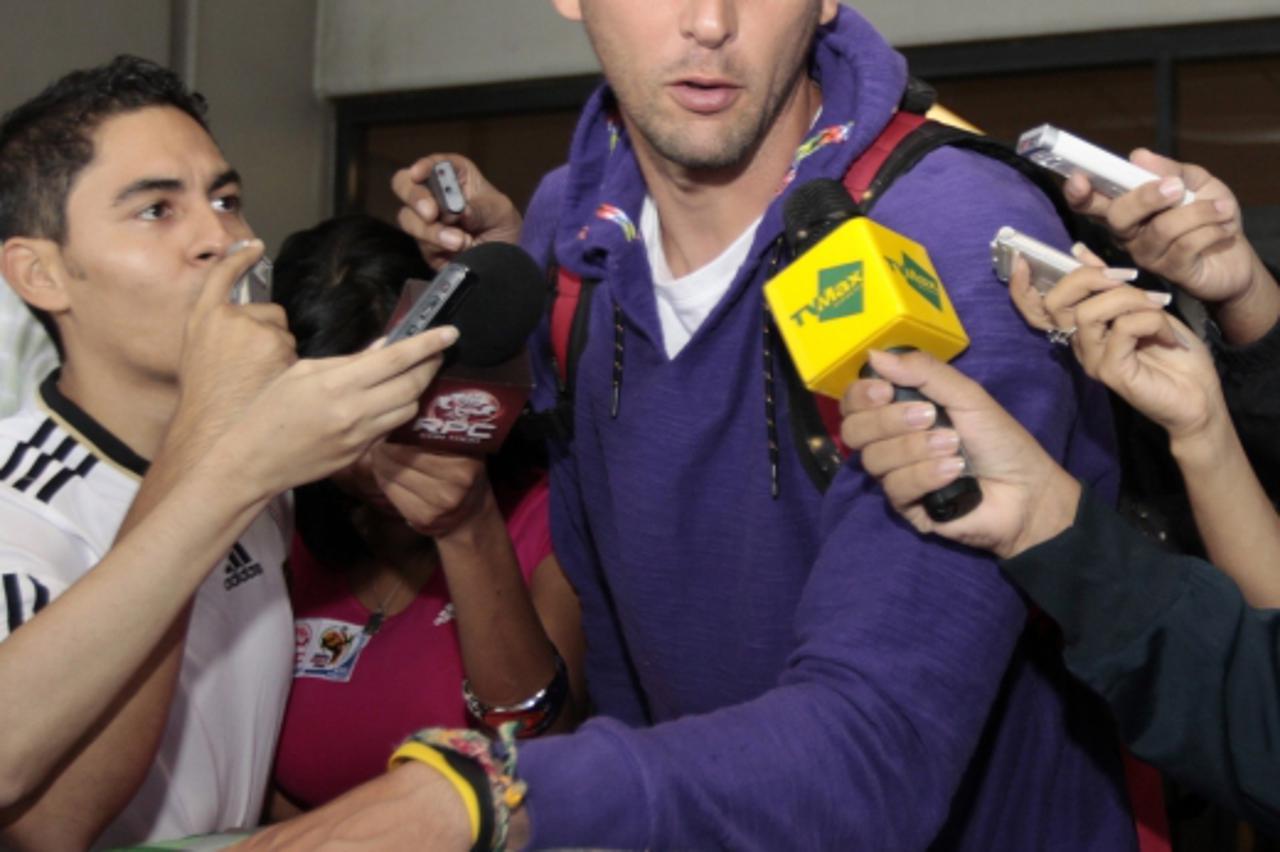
(383, 45)
(42, 40)
(254, 60)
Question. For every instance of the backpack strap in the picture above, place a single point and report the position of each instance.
(570, 310)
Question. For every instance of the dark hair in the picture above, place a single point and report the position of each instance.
(47, 141)
(338, 283)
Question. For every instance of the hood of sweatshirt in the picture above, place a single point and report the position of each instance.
(862, 80)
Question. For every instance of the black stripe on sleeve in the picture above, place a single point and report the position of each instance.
(42, 433)
(42, 595)
(37, 468)
(55, 483)
(13, 601)
(15, 459)
(64, 449)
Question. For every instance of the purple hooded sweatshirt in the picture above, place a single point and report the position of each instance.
(805, 672)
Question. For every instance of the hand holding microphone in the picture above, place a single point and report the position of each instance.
(856, 286)
(1027, 496)
(494, 294)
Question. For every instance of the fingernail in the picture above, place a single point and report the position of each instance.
(1223, 205)
(1120, 273)
(920, 415)
(1172, 187)
(425, 209)
(449, 334)
(452, 239)
(1181, 338)
(880, 392)
(943, 441)
(1077, 249)
(949, 466)
(1161, 299)
(240, 245)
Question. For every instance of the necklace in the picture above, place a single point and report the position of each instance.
(379, 614)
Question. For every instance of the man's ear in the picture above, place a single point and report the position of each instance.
(571, 9)
(829, 9)
(33, 270)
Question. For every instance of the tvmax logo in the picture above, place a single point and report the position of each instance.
(918, 278)
(839, 294)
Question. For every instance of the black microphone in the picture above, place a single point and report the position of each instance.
(822, 213)
(494, 293)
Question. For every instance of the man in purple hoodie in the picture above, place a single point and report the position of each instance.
(774, 667)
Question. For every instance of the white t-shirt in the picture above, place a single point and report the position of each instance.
(65, 486)
(683, 303)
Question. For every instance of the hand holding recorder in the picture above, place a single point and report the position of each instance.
(1125, 339)
(1175, 219)
(449, 207)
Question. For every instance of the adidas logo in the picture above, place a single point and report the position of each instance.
(240, 568)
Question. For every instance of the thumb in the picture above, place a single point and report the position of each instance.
(1155, 163)
(941, 383)
(226, 271)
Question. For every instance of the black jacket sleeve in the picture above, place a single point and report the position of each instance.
(1251, 383)
(1191, 673)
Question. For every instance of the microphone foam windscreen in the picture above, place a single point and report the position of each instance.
(498, 306)
(813, 209)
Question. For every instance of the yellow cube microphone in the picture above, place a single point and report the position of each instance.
(855, 286)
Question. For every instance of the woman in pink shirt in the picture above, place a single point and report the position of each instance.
(417, 578)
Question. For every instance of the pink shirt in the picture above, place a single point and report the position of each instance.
(355, 698)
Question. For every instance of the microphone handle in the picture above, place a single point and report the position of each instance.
(958, 497)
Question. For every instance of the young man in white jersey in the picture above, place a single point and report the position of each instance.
(144, 627)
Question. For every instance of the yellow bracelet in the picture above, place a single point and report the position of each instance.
(413, 750)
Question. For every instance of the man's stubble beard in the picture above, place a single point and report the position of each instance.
(740, 141)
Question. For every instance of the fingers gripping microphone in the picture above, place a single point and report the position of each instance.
(494, 293)
(855, 286)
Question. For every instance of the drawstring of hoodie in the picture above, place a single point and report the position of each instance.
(770, 400)
(619, 338)
(768, 349)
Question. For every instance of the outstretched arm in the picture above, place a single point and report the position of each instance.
(87, 700)
(1157, 365)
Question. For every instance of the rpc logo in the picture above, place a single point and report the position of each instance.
(466, 415)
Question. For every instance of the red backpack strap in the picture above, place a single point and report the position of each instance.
(1146, 799)
(564, 305)
(867, 166)
(570, 303)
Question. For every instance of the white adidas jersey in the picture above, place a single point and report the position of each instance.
(65, 486)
